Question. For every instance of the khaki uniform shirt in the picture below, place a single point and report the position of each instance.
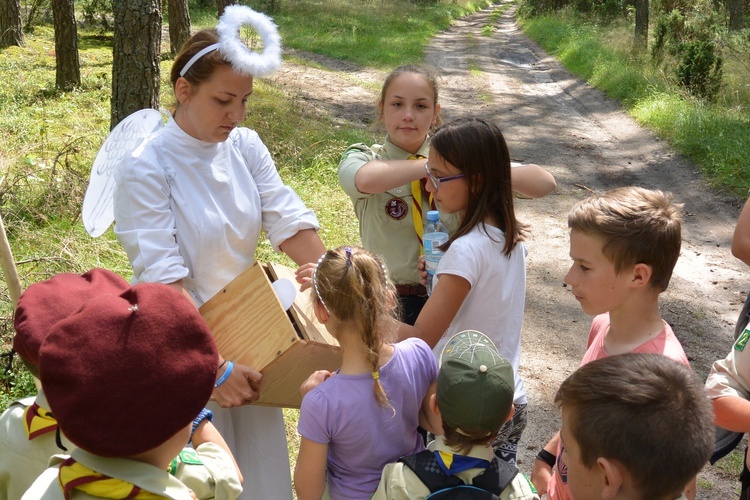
(209, 474)
(386, 226)
(399, 482)
(21, 459)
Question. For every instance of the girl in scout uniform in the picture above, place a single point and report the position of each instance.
(386, 182)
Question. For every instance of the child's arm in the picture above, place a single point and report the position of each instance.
(541, 472)
(310, 471)
(439, 311)
(532, 180)
(378, 176)
(206, 432)
(732, 413)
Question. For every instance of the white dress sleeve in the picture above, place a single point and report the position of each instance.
(284, 213)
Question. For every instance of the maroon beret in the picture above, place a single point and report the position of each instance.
(45, 303)
(125, 373)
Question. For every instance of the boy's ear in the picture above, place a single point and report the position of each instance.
(434, 406)
(642, 274)
(613, 476)
(512, 412)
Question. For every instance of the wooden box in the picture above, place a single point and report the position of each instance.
(251, 327)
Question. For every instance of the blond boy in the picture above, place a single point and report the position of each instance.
(624, 245)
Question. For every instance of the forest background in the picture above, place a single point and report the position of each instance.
(687, 76)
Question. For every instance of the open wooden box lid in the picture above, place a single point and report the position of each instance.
(251, 327)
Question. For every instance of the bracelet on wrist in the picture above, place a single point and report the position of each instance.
(222, 364)
(225, 375)
(205, 414)
(546, 457)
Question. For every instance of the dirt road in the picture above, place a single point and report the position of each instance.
(588, 143)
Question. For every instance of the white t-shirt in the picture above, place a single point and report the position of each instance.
(495, 303)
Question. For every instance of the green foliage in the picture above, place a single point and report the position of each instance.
(97, 13)
(15, 381)
(700, 69)
(695, 55)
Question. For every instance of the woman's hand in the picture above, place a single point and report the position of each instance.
(241, 388)
(313, 381)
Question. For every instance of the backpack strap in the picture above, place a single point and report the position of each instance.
(425, 466)
(494, 479)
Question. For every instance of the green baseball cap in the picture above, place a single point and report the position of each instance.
(475, 383)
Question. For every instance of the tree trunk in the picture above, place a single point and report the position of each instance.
(221, 4)
(67, 69)
(11, 27)
(735, 8)
(179, 24)
(641, 24)
(136, 54)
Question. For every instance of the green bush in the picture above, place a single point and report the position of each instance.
(696, 60)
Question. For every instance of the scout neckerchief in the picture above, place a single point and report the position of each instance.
(452, 464)
(417, 188)
(76, 476)
(37, 421)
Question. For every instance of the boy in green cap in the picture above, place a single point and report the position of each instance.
(473, 399)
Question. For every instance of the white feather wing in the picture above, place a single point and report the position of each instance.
(98, 212)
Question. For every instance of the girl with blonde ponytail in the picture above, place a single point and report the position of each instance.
(364, 415)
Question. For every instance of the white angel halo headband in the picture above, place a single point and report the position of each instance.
(242, 59)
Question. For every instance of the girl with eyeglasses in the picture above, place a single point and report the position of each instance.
(480, 283)
(387, 182)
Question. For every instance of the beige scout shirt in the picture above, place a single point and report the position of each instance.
(399, 482)
(21, 459)
(731, 376)
(385, 219)
(209, 473)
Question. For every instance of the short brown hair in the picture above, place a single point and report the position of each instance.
(648, 412)
(463, 441)
(637, 225)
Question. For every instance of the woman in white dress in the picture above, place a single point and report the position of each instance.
(190, 204)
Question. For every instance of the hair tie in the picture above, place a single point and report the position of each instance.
(348, 252)
(375, 375)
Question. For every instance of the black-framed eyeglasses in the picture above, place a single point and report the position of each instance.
(437, 180)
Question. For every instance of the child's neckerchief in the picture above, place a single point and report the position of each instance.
(37, 421)
(451, 463)
(76, 476)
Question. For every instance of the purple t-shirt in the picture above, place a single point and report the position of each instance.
(363, 436)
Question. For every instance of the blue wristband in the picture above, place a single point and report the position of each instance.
(205, 414)
(225, 375)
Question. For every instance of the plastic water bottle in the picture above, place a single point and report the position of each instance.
(434, 235)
